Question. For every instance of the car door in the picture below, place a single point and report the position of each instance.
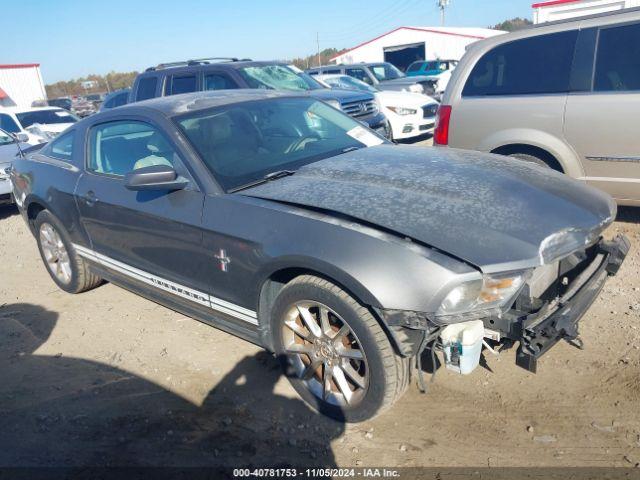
(601, 125)
(149, 236)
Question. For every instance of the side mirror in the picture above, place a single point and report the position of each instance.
(155, 177)
(20, 137)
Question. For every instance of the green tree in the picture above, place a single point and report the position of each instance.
(104, 83)
(312, 60)
(513, 24)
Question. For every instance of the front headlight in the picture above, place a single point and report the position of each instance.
(403, 110)
(416, 88)
(491, 291)
(335, 104)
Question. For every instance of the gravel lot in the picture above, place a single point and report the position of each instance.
(108, 378)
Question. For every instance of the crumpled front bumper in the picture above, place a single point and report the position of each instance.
(539, 336)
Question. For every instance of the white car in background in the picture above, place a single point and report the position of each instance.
(9, 148)
(40, 124)
(409, 114)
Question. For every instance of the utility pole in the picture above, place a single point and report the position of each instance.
(318, 44)
(442, 4)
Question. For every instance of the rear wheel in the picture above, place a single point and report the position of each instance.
(67, 269)
(335, 353)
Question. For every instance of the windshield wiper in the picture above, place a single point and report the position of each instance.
(267, 178)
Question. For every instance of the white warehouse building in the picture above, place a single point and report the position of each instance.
(408, 44)
(21, 85)
(562, 9)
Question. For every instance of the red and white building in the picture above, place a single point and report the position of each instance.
(21, 85)
(562, 9)
(407, 44)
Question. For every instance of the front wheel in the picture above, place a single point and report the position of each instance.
(335, 353)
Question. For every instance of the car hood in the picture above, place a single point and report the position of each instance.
(496, 213)
(405, 80)
(343, 96)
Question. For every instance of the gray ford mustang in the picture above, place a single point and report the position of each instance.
(283, 221)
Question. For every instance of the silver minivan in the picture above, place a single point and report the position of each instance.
(564, 94)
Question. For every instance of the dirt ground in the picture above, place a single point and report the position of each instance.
(108, 378)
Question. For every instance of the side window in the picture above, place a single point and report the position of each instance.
(618, 59)
(147, 88)
(218, 81)
(62, 147)
(110, 103)
(182, 84)
(116, 148)
(358, 73)
(121, 99)
(333, 71)
(8, 124)
(533, 65)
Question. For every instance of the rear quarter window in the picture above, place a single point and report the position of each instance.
(536, 65)
(618, 59)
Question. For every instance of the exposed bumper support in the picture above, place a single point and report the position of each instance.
(563, 323)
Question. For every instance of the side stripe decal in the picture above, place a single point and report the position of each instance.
(180, 290)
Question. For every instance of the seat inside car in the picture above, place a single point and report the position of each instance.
(160, 153)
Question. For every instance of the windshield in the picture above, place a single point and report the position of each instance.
(385, 71)
(45, 117)
(5, 138)
(243, 142)
(349, 83)
(278, 77)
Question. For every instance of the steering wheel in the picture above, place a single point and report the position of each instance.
(295, 146)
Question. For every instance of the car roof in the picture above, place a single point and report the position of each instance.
(190, 102)
(209, 66)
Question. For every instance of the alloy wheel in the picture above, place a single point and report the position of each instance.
(325, 353)
(55, 253)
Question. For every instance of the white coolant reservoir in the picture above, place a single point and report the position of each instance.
(462, 345)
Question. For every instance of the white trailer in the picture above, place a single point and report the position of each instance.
(21, 85)
(562, 9)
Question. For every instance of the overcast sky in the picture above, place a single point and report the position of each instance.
(72, 38)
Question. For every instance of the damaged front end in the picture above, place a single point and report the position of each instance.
(550, 306)
(544, 309)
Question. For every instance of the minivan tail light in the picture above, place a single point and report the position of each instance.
(441, 131)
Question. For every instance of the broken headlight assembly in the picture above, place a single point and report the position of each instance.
(490, 292)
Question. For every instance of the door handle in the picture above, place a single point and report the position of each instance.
(89, 198)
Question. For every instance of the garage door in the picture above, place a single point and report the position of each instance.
(403, 55)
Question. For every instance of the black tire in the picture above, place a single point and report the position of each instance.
(82, 279)
(388, 372)
(538, 159)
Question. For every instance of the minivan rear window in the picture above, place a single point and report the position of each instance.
(618, 59)
(535, 65)
(146, 88)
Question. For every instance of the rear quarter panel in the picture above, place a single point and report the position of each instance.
(41, 182)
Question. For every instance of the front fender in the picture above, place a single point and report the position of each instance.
(561, 150)
(309, 264)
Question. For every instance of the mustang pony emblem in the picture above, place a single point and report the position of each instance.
(223, 259)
